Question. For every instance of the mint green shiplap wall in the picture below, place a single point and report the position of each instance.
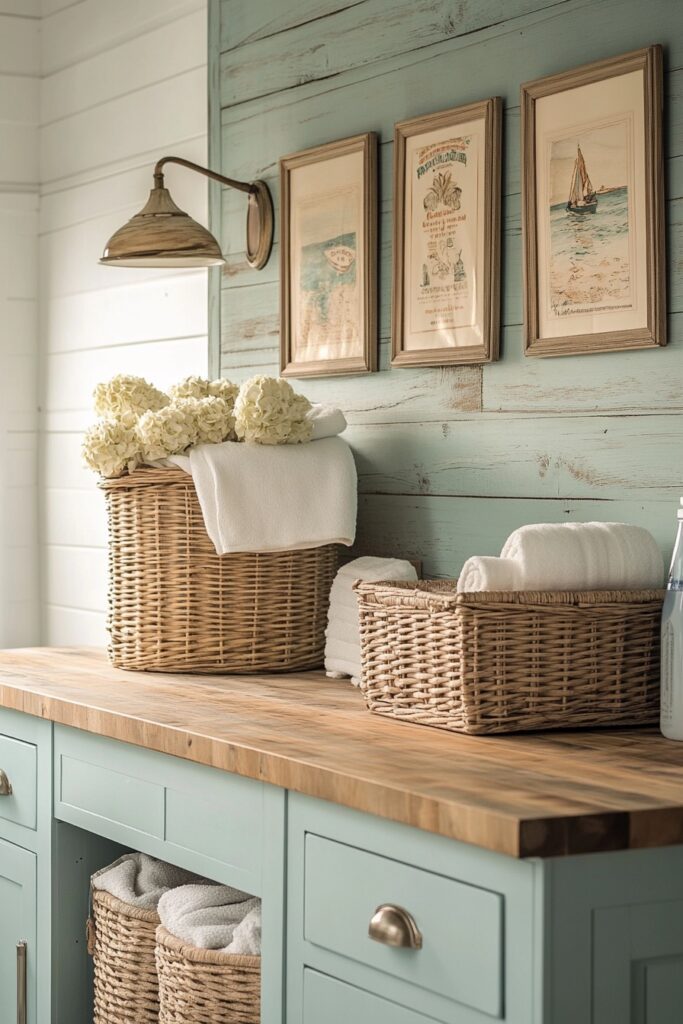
(451, 460)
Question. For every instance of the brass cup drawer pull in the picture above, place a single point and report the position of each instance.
(5, 784)
(394, 926)
(22, 1008)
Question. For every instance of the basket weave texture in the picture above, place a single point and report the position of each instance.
(126, 984)
(507, 662)
(176, 606)
(204, 986)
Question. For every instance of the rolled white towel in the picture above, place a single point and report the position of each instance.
(213, 917)
(585, 556)
(327, 421)
(482, 572)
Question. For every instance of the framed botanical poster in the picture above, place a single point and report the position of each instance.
(447, 237)
(328, 260)
(593, 207)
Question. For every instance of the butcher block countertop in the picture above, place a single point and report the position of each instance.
(534, 795)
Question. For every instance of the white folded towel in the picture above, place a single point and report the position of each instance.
(569, 556)
(275, 497)
(327, 421)
(213, 917)
(141, 880)
(482, 572)
(342, 644)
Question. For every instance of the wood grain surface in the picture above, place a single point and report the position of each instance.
(538, 795)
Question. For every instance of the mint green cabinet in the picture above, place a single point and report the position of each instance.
(17, 925)
(638, 964)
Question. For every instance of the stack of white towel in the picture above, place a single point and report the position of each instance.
(569, 556)
(342, 646)
(277, 497)
(201, 913)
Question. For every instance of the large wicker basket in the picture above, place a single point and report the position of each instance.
(123, 940)
(176, 606)
(204, 986)
(506, 662)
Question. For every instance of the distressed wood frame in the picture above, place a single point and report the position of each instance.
(366, 144)
(653, 335)
(490, 111)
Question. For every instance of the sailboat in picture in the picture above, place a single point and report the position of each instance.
(582, 195)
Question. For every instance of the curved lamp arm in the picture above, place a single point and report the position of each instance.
(242, 186)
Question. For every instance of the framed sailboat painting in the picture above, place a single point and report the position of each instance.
(593, 208)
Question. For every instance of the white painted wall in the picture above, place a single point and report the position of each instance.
(124, 82)
(19, 183)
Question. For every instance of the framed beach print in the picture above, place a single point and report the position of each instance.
(446, 291)
(328, 260)
(593, 207)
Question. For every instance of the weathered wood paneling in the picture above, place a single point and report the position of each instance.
(451, 460)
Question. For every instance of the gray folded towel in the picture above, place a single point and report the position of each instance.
(213, 917)
(141, 880)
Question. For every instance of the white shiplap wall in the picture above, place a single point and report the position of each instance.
(19, 178)
(123, 83)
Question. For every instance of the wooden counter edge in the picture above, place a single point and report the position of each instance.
(507, 834)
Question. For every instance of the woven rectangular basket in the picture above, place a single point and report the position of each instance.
(507, 662)
(177, 606)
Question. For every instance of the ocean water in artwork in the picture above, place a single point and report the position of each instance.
(590, 264)
(328, 312)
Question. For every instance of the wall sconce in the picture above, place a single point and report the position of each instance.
(163, 235)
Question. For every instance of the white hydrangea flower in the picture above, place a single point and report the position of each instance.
(167, 431)
(200, 387)
(111, 446)
(213, 418)
(224, 389)
(127, 394)
(268, 411)
(190, 387)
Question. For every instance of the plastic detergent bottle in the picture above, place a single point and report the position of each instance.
(671, 720)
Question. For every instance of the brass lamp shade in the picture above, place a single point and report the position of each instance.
(162, 235)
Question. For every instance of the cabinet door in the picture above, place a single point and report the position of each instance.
(17, 924)
(638, 961)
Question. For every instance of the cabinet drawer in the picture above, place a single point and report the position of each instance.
(198, 817)
(461, 956)
(19, 762)
(335, 1002)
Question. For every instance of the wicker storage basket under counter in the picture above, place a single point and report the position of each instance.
(507, 662)
(122, 941)
(205, 986)
(176, 606)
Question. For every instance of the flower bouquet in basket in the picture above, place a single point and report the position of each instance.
(224, 526)
(139, 424)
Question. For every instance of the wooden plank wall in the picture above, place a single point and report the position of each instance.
(123, 84)
(451, 460)
(19, 177)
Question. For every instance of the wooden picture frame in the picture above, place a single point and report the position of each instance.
(328, 240)
(594, 257)
(447, 174)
